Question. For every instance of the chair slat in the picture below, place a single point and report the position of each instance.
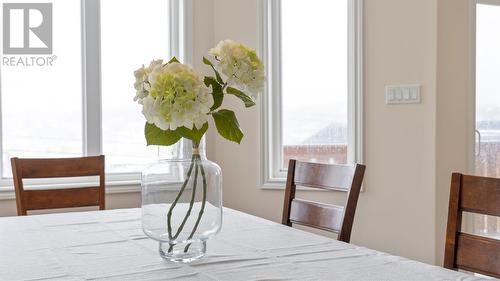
(478, 254)
(324, 176)
(62, 167)
(323, 216)
(61, 198)
(480, 195)
(55, 168)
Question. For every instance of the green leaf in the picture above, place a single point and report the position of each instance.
(242, 96)
(193, 134)
(157, 136)
(227, 125)
(217, 75)
(217, 93)
(173, 59)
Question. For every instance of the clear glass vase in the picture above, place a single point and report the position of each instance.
(182, 202)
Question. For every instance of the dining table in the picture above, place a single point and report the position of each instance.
(110, 245)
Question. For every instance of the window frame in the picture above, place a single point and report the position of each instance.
(469, 223)
(273, 175)
(180, 45)
(471, 149)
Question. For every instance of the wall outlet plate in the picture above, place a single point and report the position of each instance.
(402, 94)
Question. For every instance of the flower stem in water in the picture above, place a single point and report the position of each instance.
(202, 209)
(172, 206)
(191, 203)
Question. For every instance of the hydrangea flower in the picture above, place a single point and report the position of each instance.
(240, 65)
(172, 96)
(142, 85)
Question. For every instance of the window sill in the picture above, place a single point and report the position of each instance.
(112, 187)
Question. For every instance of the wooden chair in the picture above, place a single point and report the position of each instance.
(58, 168)
(465, 251)
(332, 218)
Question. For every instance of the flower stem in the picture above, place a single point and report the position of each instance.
(172, 206)
(202, 209)
(191, 203)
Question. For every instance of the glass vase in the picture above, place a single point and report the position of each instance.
(182, 202)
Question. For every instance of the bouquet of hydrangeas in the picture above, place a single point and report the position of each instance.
(177, 102)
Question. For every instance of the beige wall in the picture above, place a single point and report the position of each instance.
(454, 103)
(409, 149)
(399, 48)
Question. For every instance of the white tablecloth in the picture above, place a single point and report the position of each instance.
(110, 245)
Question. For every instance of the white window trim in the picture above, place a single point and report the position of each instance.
(270, 44)
(91, 77)
(180, 45)
(471, 151)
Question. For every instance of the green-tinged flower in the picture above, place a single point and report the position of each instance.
(177, 97)
(241, 65)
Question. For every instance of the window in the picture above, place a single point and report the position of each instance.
(122, 52)
(487, 105)
(33, 119)
(76, 97)
(42, 105)
(313, 106)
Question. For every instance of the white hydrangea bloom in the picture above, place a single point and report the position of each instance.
(151, 110)
(176, 97)
(142, 85)
(240, 65)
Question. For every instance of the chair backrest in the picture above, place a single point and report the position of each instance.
(465, 251)
(58, 168)
(338, 219)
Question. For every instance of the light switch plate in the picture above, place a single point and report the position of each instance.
(402, 94)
